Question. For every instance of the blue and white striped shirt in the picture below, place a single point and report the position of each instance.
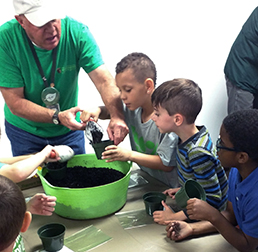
(196, 159)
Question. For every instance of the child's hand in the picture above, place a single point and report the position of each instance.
(178, 230)
(171, 192)
(161, 216)
(114, 153)
(200, 210)
(50, 154)
(91, 113)
(42, 204)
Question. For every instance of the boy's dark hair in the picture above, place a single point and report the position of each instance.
(12, 211)
(181, 96)
(141, 65)
(242, 129)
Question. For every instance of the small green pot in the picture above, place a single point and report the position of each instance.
(191, 189)
(52, 236)
(152, 201)
(56, 170)
(100, 147)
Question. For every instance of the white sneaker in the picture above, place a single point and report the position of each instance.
(65, 152)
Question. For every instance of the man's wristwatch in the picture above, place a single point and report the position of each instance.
(55, 118)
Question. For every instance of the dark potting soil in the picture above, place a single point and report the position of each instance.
(56, 165)
(82, 177)
(95, 131)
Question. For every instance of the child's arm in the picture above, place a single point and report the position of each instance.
(11, 160)
(41, 204)
(161, 217)
(171, 192)
(179, 230)
(225, 223)
(100, 112)
(104, 113)
(114, 153)
(22, 169)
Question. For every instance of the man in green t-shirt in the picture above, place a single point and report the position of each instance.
(41, 55)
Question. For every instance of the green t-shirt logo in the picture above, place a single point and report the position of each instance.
(141, 145)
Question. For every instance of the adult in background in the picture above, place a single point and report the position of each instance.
(42, 52)
(241, 69)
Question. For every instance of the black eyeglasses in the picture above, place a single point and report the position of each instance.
(220, 147)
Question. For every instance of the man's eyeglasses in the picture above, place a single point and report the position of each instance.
(220, 147)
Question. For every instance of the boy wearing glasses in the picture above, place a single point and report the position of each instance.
(238, 224)
(177, 104)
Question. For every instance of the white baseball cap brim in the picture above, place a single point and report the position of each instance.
(39, 12)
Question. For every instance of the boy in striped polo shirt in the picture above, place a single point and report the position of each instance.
(177, 104)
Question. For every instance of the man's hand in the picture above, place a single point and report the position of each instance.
(117, 130)
(41, 204)
(67, 118)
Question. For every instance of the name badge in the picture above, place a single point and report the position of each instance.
(50, 96)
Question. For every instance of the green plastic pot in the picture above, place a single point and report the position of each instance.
(56, 170)
(100, 147)
(191, 189)
(52, 236)
(93, 202)
(152, 201)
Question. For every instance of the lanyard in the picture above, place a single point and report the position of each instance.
(39, 65)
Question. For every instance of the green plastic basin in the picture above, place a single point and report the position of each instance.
(92, 202)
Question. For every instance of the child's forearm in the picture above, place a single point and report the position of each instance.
(235, 236)
(150, 161)
(24, 168)
(202, 227)
(12, 160)
(104, 113)
(180, 215)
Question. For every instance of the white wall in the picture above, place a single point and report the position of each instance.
(188, 39)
